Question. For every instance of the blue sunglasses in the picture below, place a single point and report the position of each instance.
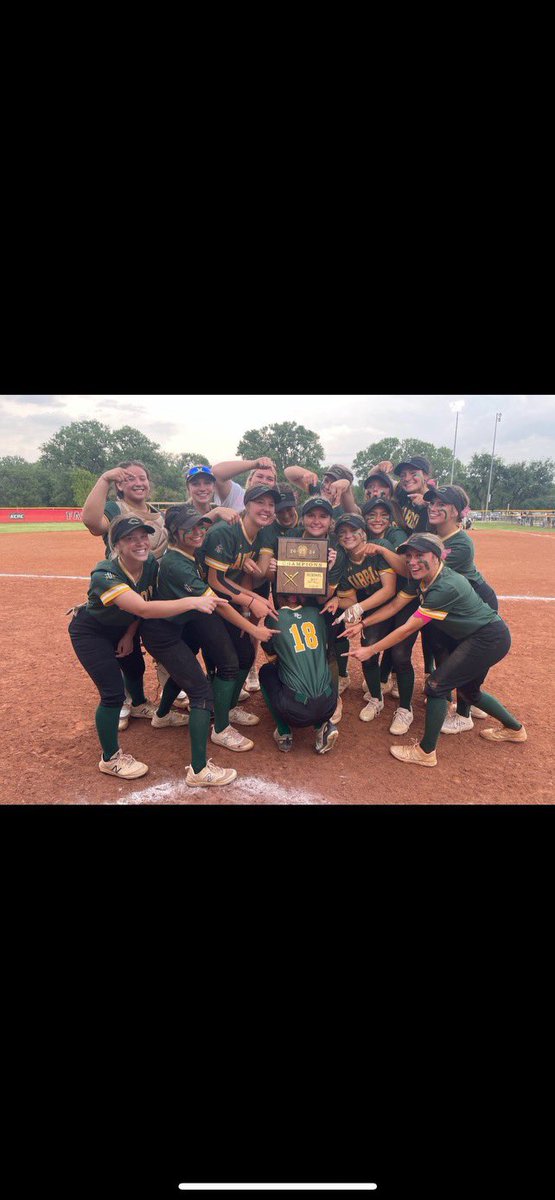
(199, 471)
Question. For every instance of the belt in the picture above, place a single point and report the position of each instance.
(303, 697)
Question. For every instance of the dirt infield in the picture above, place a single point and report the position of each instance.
(50, 748)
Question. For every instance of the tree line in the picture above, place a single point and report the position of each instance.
(72, 460)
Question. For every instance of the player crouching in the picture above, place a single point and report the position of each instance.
(296, 683)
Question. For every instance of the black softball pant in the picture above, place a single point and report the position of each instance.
(95, 645)
(209, 633)
(291, 710)
(163, 639)
(468, 662)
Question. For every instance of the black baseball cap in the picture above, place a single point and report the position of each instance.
(419, 464)
(260, 490)
(317, 502)
(287, 499)
(424, 542)
(196, 472)
(336, 471)
(376, 502)
(128, 525)
(351, 519)
(383, 478)
(448, 494)
(182, 516)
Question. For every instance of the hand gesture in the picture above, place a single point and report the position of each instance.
(332, 555)
(261, 608)
(337, 489)
(309, 479)
(331, 607)
(385, 465)
(124, 646)
(272, 569)
(207, 603)
(371, 548)
(350, 631)
(250, 567)
(262, 633)
(361, 652)
(230, 515)
(265, 464)
(417, 499)
(115, 475)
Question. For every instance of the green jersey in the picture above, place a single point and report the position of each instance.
(364, 577)
(275, 531)
(459, 548)
(109, 579)
(181, 574)
(414, 515)
(227, 547)
(451, 599)
(301, 651)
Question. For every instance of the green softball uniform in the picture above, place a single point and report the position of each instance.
(363, 577)
(301, 650)
(451, 599)
(109, 579)
(414, 515)
(459, 548)
(227, 547)
(157, 540)
(181, 574)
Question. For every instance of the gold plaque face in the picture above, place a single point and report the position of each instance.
(302, 566)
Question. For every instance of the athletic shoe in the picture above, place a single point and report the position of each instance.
(344, 681)
(210, 776)
(373, 708)
(455, 723)
(284, 741)
(479, 713)
(147, 710)
(124, 766)
(181, 701)
(240, 716)
(171, 718)
(231, 739)
(386, 686)
(326, 736)
(123, 722)
(505, 735)
(243, 695)
(251, 682)
(395, 689)
(126, 708)
(414, 754)
(402, 721)
(335, 719)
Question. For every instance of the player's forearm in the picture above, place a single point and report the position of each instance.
(152, 609)
(228, 589)
(397, 561)
(387, 610)
(378, 599)
(235, 618)
(93, 508)
(222, 472)
(398, 635)
(348, 501)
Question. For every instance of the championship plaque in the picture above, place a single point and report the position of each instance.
(302, 566)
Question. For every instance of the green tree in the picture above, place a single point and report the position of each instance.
(287, 443)
(396, 450)
(127, 443)
(20, 483)
(81, 483)
(477, 474)
(81, 444)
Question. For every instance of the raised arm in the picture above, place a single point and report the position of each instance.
(397, 561)
(224, 472)
(301, 477)
(93, 509)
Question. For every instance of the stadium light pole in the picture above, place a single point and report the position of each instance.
(456, 406)
(495, 423)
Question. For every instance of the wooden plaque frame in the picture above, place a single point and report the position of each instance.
(302, 566)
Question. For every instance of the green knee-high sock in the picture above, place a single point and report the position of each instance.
(223, 690)
(372, 677)
(463, 708)
(237, 685)
(385, 666)
(107, 721)
(199, 725)
(405, 683)
(134, 685)
(494, 708)
(169, 694)
(282, 727)
(436, 712)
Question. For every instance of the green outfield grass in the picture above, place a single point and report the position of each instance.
(40, 526)
(476, 525)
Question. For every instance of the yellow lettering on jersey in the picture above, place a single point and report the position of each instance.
(365, 578)
(309, 634)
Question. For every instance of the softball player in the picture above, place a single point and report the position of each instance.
(262, 471)
(385, 525)
(103, 635)
(367, 583)
(201, 489)
(181, 573)
(296, 683)
(336, 486)
(228, 555)
(478, 638)
(133, 486)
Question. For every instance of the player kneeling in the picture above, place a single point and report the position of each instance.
(296, 683)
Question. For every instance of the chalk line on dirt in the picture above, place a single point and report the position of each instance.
(249, 787)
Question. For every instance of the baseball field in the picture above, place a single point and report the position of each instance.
(50, 747)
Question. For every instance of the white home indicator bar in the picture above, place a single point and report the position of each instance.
(278, 1187)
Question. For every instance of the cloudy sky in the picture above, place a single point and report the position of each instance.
(213, 425)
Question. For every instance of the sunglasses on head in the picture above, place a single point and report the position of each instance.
(198, 471)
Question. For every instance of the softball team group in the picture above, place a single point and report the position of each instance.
(200, 578)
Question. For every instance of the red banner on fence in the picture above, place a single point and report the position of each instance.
(19, 516)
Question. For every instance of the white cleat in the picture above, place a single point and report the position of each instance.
(372, 710)
(402, 721)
